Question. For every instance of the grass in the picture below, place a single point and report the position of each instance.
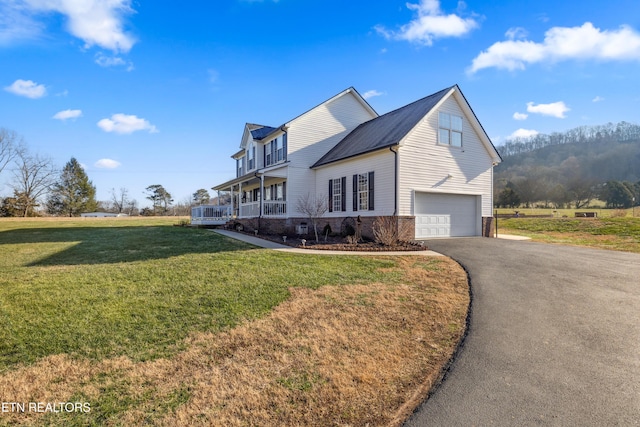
(621, 234)
(153, 324)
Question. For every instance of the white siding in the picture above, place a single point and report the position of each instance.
(313, 134)
(426, 165)
(382, 163)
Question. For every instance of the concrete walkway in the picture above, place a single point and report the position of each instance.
(268, 244)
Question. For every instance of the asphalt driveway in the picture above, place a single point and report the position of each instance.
(554, 338)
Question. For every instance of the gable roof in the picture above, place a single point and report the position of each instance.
(383, 131)
(261, 132)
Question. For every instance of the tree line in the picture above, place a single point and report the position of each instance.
(574, 168)
(39, 188)
(620, 132)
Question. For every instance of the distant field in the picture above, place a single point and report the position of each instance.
(153, 324)
(621, 234)
(570, 213)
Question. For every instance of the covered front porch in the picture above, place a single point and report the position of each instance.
(254, 195)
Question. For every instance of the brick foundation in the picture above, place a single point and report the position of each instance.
(488, 226)
(339, 225)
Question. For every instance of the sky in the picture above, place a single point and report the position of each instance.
(145, 92)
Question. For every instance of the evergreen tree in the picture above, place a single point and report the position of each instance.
(201, 197)
(73, 194)
(160, 198)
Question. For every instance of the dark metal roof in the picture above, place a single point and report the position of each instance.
(383, 131)
(261, 132)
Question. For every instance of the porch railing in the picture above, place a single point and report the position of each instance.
(270, 208)
(275, 208)
(211, 215)
(250, 210)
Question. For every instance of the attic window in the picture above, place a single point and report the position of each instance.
(450, 129)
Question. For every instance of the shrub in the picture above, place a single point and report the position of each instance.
(352, 239)
(385, 230)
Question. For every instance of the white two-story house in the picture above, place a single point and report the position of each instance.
(429, 165)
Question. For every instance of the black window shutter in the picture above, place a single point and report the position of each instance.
(330, 195)
(371, 188)
(355, 193)
(343, 188)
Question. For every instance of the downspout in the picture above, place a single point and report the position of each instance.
(395, 186)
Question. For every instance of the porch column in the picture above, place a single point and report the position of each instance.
(261, 195)
(232, 210)
(240, 200)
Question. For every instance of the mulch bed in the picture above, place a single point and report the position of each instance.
(338, 243)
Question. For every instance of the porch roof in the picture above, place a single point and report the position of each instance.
(244, 178)
(253, 177)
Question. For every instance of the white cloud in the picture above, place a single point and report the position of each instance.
(113, 61)
(561, 44)
(16, 24)
(523, 133)
(597, 99)
(520, 116)
(555, 109)
(27, 88)
(67, 114)
(516, 33)
(429, 23)
(371, 93)
(125, 124)
(96, 22)
(107, 164)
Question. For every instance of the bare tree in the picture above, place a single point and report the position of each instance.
(120, 199)
(132, 207)
(33, 177)
(314, 207)
(10, 146)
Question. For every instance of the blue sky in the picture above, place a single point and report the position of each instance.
(146, 92)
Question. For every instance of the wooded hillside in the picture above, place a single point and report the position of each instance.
(571, 168)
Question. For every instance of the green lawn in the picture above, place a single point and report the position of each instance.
(108, 287)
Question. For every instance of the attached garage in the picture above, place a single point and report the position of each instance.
(447, 215)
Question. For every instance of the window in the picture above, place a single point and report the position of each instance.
(240, 169)
(251, 158)
(279, 148)
(275, 192)
(274, 151)
(279, 191)
(450, 129)
(363, 192)
(338, 194)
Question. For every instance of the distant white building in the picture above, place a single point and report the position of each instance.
(102, 215)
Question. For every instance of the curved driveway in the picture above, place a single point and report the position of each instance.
(554, 338)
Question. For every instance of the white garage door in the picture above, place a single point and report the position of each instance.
(446, 215)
